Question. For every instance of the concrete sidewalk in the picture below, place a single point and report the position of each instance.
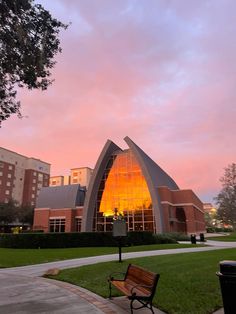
(27, 295)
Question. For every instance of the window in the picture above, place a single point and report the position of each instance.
(0, 173)
(34, 174)
(9, 175)
(7, 192)
(10, 167)
(32, 203)
(40, 185)
(78, 223)
(8, 183)
(57, 224)
(33, 188)
(34, 180)
(0, 182)
(124, 187)
(40, 177)
(32, 195)
(1, 165)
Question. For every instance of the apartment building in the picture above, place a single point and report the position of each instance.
(21, 177)
(80, 176)
(56, 181)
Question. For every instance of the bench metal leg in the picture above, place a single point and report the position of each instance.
(131, 306)
(144, 304)
(109, 289)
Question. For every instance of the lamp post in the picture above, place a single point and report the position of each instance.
(119, 230)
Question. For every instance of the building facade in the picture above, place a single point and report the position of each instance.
(129, 183)
(80, 176)
(60, 209)
(21, 177)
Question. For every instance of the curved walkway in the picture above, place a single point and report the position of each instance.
(22, 291)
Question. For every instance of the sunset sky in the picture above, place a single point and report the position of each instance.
(162, 72)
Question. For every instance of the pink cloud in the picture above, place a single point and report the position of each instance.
(162, 73)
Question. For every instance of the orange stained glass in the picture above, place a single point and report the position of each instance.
(125, 188)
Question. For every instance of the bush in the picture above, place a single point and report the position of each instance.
(216, 229)
(140, 238)
(83, 239)
(164, 238)
(178, 236)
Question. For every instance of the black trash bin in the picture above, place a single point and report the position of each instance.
(202, 238)
(193, 239)
(227, 277)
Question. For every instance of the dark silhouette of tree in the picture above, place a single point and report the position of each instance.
(8, 212)
(12, 213)
(226, 199)
(28, 43)
(25, 215)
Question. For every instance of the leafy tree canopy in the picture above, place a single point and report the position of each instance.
(28, 43)
(7, 212)
(226, 199)
(11, 212)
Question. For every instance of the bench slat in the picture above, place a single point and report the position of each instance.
(126, 287)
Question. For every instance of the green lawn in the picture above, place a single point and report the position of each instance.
(188, 281)
(228, 238)
(20, 257)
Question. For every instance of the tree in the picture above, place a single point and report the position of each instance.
(226, 199)
(7, 212)
(25, 215)
(28, 43)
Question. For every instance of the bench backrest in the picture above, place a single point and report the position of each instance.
(142, 276)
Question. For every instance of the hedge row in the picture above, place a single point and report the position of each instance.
(216, 229)
(83, 239)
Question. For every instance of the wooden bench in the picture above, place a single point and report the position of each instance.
(138, 284)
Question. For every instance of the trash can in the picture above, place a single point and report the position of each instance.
(193, 239)
(202, 238)
(227, 277)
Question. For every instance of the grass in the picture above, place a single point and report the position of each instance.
(188, 282)
(228, 238)
(20, 257)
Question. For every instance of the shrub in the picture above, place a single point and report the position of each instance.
(83, 239)
(178, 236)
(217, 229)
(164, 238)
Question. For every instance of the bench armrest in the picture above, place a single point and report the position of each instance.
(111, 276)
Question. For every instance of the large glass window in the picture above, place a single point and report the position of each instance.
(124, 189)
(57, 225)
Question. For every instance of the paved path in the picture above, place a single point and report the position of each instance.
(40, 269)
(23, 292)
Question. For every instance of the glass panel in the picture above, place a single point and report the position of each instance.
(124, 187)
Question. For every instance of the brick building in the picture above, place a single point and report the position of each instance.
(126, 182)
(21, 177)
